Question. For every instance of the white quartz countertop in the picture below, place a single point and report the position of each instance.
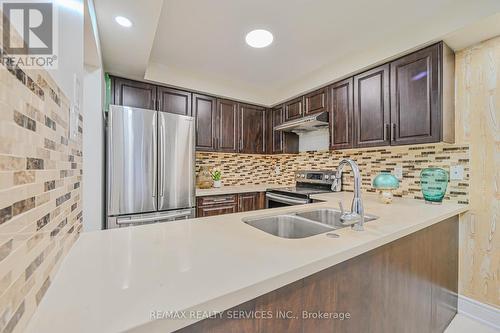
(236, 189)
(112, 280)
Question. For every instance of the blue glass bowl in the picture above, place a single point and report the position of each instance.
(433, 182)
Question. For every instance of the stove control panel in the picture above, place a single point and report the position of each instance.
(315, 176)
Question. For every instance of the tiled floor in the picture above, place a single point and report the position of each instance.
(463, 324)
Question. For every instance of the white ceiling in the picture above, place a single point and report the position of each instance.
(199, 44)
(126, 51)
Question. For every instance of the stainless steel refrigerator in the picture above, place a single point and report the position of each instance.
(150, 167)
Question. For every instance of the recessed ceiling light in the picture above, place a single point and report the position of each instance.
(123, 21)
(259, 38)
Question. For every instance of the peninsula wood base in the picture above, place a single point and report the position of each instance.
(409, 285)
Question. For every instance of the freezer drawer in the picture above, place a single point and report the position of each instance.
(141, 219)
(131, 161)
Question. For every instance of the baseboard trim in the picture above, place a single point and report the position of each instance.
(481, 312)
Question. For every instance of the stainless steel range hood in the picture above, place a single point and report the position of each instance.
(305, 124)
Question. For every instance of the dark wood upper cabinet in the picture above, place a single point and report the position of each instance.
(174, 101)
(279, 142)
(133, 93)
(416, 98)
(407, 101)
(371, 107)
(341, 114)
(252, 129)
(316, 101)
(276, 116)
(205, 113)
(227, 126)
(294, 109)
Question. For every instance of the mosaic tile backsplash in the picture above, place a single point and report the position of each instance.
(40, 190)
(240, 169)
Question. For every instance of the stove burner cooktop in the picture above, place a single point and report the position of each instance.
(308, 183)
(300, 190)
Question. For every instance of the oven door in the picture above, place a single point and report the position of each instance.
(274, 200)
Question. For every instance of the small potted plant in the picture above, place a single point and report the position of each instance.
(216, 176)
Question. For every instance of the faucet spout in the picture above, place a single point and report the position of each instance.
(357, 217)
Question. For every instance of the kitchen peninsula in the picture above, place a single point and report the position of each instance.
(213, 264)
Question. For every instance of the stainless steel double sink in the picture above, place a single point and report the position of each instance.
(301, 224)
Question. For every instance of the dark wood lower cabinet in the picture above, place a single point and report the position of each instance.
(248, 202)
(409, 285)
(228, 204)
(216, 205)
(216, 210)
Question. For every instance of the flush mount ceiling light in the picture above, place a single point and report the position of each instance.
(123, 21)
(259, 38)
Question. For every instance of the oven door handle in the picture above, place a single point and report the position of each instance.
(285, 199)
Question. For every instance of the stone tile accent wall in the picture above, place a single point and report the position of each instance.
(236, 168)
(40, 190)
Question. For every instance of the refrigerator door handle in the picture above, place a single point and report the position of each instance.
(128, 220)
(154, 158)
(162, 158)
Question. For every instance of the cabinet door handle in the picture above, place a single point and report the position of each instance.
(222, 200)
(386, 132)
(393, 131)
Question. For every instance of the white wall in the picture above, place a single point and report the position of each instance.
(76, 28)
(93, 126)
(93, 150)
(70, 42)
(79, 56)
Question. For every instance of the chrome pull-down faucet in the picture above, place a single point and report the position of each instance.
(355, 218)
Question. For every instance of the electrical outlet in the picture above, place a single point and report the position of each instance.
(456, 172)
(398, 172)
(277, 171)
